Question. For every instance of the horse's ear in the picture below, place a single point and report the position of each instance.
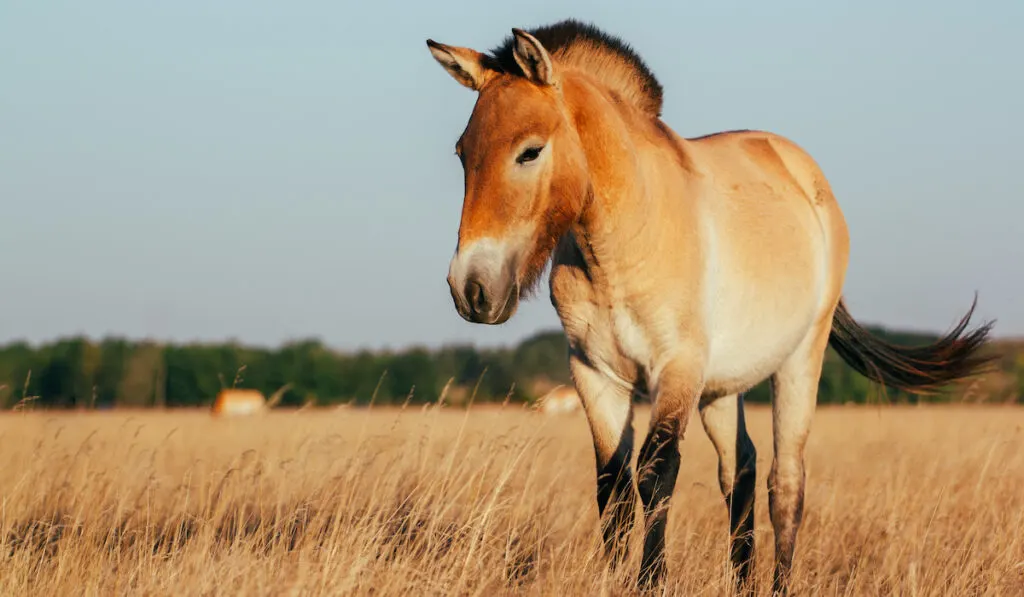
(531, 56)
(466, 66)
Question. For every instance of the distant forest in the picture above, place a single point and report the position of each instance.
(84, 374)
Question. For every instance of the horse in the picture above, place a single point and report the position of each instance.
(560, 401)
(242, 402)
(682, 270)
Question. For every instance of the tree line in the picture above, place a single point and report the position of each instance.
(77, 372)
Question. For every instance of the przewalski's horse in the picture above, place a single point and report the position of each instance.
(236, 402)
(559, 401)
(686, 269)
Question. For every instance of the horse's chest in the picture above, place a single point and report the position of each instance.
(631, 339)
(608, 336)
(611, 340)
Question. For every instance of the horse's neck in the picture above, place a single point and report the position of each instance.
(615, 232)
(615, 225)
(607, 226)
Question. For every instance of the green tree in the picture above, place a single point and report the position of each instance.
(141, 383)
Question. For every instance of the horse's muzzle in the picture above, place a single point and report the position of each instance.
(484, 292)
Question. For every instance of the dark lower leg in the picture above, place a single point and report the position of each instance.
(610, 413)
(659, 466)
(616, 500)
(725, 423)
(741, 507)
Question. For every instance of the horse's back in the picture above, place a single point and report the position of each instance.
(775, 204)
(792, 173)
(778, 244)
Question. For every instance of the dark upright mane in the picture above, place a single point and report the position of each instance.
(604, 56)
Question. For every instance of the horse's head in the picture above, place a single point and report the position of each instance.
(525, 175)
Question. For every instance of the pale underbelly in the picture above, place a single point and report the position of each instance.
(752, 332)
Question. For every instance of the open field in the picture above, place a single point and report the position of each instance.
(909, 501)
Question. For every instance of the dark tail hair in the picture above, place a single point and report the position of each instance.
(917, 369)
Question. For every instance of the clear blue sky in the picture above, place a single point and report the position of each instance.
(268, 171)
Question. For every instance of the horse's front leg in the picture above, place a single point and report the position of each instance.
(609, 409)
(677, 388)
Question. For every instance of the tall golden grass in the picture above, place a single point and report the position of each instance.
(489, 501)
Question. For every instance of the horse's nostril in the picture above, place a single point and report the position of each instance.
(476, 297)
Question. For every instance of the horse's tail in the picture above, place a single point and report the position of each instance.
(917, 369)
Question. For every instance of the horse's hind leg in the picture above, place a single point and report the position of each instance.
(609, 410)
(795, 393)
(737, 475)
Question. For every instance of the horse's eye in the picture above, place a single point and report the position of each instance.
(529, 154)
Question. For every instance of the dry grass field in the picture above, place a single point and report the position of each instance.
(441, 501)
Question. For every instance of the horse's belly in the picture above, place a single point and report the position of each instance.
(760, 313)
(743, 356)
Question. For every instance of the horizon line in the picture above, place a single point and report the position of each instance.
(450, 343)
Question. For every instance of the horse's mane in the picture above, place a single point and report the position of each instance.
(604, 56)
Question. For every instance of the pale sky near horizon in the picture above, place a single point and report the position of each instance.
(271, 171)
